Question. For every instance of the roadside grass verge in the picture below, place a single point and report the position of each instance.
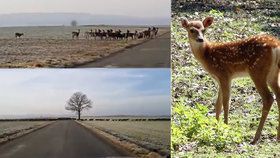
(10, 130)
(143, 138)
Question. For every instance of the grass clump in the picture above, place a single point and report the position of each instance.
(193, 124)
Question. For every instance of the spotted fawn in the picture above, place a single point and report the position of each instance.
(257, 57)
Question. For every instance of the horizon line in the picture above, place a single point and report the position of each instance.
(87, 13)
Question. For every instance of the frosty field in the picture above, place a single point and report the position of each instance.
(53, 46)
(153, 135)
(12, 129)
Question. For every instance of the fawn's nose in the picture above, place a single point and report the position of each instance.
(199, 39)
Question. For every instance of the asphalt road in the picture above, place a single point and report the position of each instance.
(62, 139)
(151, 54)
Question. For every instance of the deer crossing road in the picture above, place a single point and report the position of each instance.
(60, 139)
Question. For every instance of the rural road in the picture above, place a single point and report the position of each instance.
(58, 140)
(151, 54)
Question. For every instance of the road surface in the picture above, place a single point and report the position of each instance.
(151, 54)
(62, 139)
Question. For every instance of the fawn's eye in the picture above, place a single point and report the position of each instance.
(192, 31)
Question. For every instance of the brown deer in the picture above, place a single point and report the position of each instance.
(88, 34)
(18, 35)
(154, 32)
(129, 34)
(75, 34)
(147, 33)
(258, 57)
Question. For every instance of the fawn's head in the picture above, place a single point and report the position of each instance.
(196, 29)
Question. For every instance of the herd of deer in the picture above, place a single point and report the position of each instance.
(117, 34)
(111, 34)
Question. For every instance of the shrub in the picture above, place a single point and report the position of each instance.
(193, 124)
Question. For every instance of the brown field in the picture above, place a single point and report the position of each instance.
(40, 48)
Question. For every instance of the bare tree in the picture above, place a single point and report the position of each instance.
(74, 23)
(78, 102)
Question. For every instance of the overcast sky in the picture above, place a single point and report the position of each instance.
(139, 8)
(44, 92)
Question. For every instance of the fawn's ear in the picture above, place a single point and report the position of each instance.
(208, 21)
(185, 23)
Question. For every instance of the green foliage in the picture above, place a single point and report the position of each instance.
(216, 13)
(194, 124)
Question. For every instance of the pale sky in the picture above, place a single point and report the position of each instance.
(44, 92)
(138, 8)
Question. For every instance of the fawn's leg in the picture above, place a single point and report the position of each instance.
(219, 104)
(267, 101)
(225, 88)
(278, 128)
(276, 89)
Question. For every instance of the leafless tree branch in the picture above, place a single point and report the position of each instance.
(78, 102)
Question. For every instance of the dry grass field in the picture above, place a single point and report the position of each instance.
(54, 46)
